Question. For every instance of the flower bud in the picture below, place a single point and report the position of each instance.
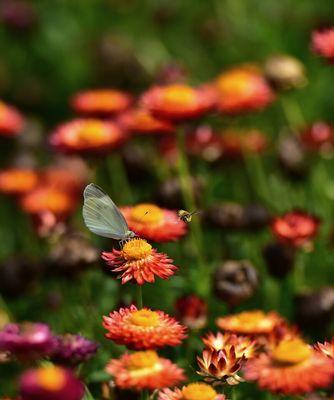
(191, 310)
(279, 259)
(292, 157)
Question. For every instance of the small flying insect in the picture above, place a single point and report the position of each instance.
(186, 216)
(102, 216)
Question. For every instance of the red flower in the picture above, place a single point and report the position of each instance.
(11, 121)
(193, 391)
(295, 228)
(144, 370)
(141, 121)
(87, 136)
(178, 102)
(138, 261)
(100, 102)
(192, 311)
(143, 329)
(323, 43)
(243, 89)
(237, 144)
(291, 368)
(17, 181)
(319, 136)
(154, 223)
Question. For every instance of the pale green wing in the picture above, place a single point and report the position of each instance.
(101, 214)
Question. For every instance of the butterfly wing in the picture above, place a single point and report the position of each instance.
(101, 214)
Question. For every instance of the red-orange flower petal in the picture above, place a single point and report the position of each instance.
(143, 329)
(87, 136)
(323, 43)
(138, 261)
(326, 348)
(193, 391)
(291, 368)
(17, 181)
(318, 137)
(154, 223)
(11, 121)
(243, 89)
(295, 228)
(100, 102)
(141, 121)
(144, 370)
(236, 144)
(178, 102)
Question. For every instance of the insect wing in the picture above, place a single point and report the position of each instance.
(101, 215)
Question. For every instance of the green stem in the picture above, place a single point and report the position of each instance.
(118, 179)
(139, 296)
(292, 112)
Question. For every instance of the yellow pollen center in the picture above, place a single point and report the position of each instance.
(178, 95)
(145, 318)
(235, 82)
(292, 351)
(136, 249)
(250, 318)
(198, 391)
(147, 214)
(51, 378)
(105, 99)
(92, 132)
(143, 359)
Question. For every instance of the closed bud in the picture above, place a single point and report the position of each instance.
(292, 157)
(279, 259)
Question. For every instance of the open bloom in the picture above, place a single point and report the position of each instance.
(144, 370)
(138, 261)
(295, 228)
(243, 89)
(17, 181)
(11, 121)
(72, 350)
(243, 345)
(87, 136)
(100, 102)
(50, 383)
(178, 101)
(291, 368)
(323, 43)
(236, 144)
(192, 311)
(250, 322)
(318, 137)
(193, 391)
(141, 121)
(154, 223)
(27, 340)
(143, 329)
(326, 348)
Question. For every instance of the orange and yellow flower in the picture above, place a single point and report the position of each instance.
(323, 43)
(178, 102)
(243, 89)
(17, 181)
(326, 348)
(154, 223)
(144, 370)
(291, 368)
(87, 136)
(193, 391)
(100, 102)
(236, 144)
(141, 121)
(143, 329)
(250, 322)
(11, 121)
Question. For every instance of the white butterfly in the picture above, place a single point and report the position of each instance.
(102, 216)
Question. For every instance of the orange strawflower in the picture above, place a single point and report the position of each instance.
(138, 261)
(144, 370)
(326, 348)
(141, 121)
(243, 345)
(17, 181)
(250, 322)
(143, 329)
(154, 223)
(291, 368)
(178, 101)
(87, 136)
(11, 121)
(243, 89)
(193, 391)
(295, 228)
(323, 43)
(236, 144)
(100, 102)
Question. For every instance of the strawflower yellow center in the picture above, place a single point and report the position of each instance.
(51, 378)
(235, 82)
(143, 359)
(17, 179)
(292, 351)
(198, 391)
(104, 99)
(91, 132)
(145, 318)
(147, 214)
(54, 201)
(136, 249)
(179, 95)
(250, 318)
